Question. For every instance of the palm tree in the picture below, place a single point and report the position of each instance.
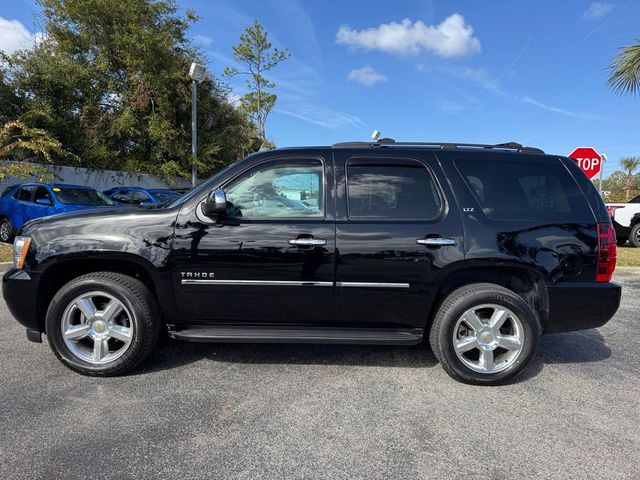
(630, 164)
(624, 74)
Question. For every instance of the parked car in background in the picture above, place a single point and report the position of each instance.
(141, 196)
(626, 220)
(23, 202)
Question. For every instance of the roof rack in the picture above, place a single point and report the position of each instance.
(389, 142)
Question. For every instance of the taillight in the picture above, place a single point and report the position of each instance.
(612, 209)
(606, 252)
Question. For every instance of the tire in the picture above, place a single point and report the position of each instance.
(634, 236)
(111, 323)
(507, 358)
(6, 231)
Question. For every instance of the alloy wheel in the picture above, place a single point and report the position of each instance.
(488, 338)
(97, 327)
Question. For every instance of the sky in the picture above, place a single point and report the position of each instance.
(475, 71)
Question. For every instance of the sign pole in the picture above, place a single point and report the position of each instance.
(604, 159)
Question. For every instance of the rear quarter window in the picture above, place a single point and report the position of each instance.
(525, 190)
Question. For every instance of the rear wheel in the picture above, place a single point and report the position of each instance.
(634, 236)
(103, 324)
(6, 231)
(484, 334)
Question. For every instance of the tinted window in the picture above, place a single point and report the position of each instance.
(392, 191)
(24, 194)
(81, 196)
(279, 190)
(635, 199)
(521, 190)
(43, 194)
(165, 197)
(131, 197)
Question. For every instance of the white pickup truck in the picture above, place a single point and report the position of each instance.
(626, 221)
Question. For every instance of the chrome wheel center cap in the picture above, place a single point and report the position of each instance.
(100, 327)
(486, 340)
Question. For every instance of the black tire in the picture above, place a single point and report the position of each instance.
(460, 301)
(6, 231)
(634, 236)
(133, 294)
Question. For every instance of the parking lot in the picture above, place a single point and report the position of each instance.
(300, 411)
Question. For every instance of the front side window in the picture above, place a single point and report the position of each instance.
(279, 190)
(43, 195)
(524, 190)
(392, 191)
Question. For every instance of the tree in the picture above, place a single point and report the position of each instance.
(254, 50)
(630, 164)
(113, 78)
(625, 70)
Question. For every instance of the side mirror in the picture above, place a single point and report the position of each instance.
(43, 201)
(216, 203)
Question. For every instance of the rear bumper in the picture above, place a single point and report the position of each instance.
(19, 291)
(579, 306)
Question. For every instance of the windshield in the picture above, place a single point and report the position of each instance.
(81, 196)
(164, 197)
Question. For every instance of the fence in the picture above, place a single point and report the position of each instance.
(100, 179)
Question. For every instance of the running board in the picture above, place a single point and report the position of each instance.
(278, 334)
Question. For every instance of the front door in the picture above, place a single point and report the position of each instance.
(271, 258)
(396, 228)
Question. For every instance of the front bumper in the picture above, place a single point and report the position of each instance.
(580, 306)
(19, 290)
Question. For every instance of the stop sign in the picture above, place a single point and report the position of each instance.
(589, 161)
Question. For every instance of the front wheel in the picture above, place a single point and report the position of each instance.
(6, 231)
(102, 324)
(484, 334)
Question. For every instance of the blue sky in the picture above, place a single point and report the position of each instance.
(474, 71)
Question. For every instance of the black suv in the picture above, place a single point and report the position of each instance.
(480, 248)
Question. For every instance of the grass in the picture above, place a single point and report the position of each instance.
(6, 252)
(628, 257)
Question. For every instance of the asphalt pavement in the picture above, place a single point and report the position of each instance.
(322, 411)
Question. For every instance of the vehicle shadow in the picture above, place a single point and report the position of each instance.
(574, 347)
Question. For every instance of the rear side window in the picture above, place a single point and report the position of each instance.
(24, 194)
(392, 191)
(524, 190)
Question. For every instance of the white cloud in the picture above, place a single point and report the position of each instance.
(451, 38)
(323, 116)
(15, 36)
(598, 10)
(366, 76)
(203, 40)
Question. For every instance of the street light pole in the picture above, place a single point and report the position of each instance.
(197, 73)
(194, 134)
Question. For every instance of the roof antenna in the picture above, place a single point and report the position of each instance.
(375, 136)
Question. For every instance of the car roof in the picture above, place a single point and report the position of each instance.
(53, 185)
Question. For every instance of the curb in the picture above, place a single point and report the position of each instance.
(4, 266)
(627, 271)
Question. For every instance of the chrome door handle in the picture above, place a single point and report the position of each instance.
(436, 241)
(308, 242)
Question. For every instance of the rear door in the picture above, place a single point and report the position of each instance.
(397, 226)
(22, 203)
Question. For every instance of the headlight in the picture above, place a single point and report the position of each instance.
(20, 249)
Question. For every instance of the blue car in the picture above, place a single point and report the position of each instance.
(143, 197)
(21, 203)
